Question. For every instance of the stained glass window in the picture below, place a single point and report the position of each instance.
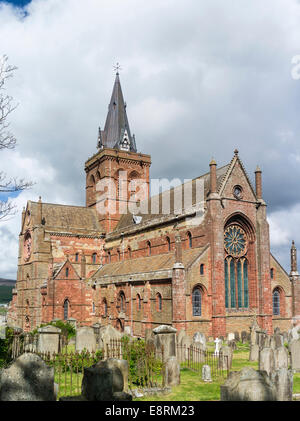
(196, 299)
(235, 241)
(276, 302)
(66, 309)
(236, 283)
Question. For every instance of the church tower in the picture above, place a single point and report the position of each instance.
(295, 280)
(117, 176)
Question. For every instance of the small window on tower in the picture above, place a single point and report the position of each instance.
(67, 272)
(94, 257)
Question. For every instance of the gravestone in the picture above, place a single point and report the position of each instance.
(127, 331)
(248, 385)
(206, 373)
(103, 382)
(73, 322)
(149, 335)
(278, 339)
(165, 341)
(231, 336)
(295, 355)
(244, 337)
(236, 336)
(122, 365)
(48, 339)
(171, 372)
(199, 337)
(281, 357)
(254, 352)
(266, 360)
(85, 339)
(28, 378)
(232, 345)
(283, 380)
(109, 334)
(225, 358)
(186, 343)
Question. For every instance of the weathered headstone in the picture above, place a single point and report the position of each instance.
(248, 385)
(278, 339)
(122, 365)
(254, 352)
(295, 355)
(225, 358)
(199, 337)
(244, 337)
(266, 360)
(165, 341)
(206, 373)
(73, 322)
(180, 335)
(48, 339)
(28, 378)
(232, 345)
(85, 339)
(99, 383)
(281, 357)
(172, 372)
(128, 331)
(236, 336)
(283, 380)
(184, 348)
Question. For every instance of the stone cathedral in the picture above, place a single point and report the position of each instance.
(137, 270)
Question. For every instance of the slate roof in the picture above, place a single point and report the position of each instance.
(66, 218)
(126, 220)
(147, 264)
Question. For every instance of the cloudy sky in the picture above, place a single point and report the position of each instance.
(200, 78)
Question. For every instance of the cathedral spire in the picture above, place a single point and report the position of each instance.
(116, 133)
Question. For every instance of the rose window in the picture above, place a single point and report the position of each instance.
(235, 242)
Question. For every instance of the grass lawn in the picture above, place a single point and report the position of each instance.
(192, 388)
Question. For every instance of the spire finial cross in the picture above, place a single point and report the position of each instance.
(117, 67)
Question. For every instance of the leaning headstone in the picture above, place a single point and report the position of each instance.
(266, 360)
(28, 378)
(225, 358)
(171, 372)
(85, 339)
(199, 337)
(48, 339)
(206, 373)
(283, 380)
(165, 341)
(254, 352)
(295, 355)
(281, 357)
(248, 385)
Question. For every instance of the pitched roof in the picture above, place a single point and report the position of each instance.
(147, 264)
(156, 202)
(66, 218)
(116, 127)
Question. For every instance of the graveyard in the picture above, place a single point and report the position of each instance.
(101, 363)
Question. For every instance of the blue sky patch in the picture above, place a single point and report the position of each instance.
(17, 3)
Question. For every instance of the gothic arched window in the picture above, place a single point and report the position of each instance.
(66, 309)
(159, 301)
(236, 268)
(197, 302)
(149, 248)
(104, 303)
(276, 302)
(190, 241)
(122, 301)
(139, 302)
(169, 243)
(202, 269)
